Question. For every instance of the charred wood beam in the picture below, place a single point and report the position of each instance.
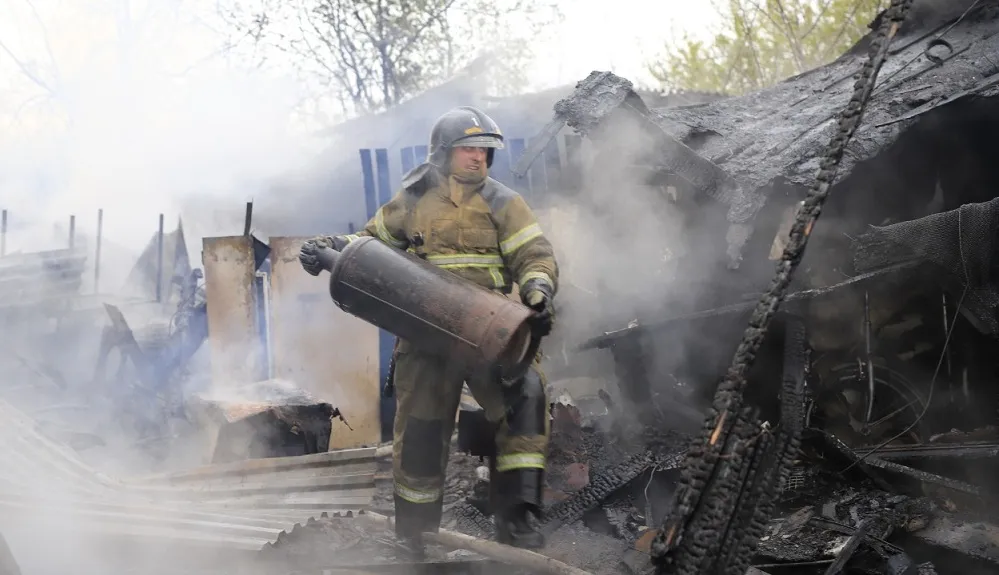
(935, 451)
(537, 146)
(470, 520)
(602, 94)
(608, 339)
(898, 469)
(885, 474)
(600, 487)
(846, 553)
(701, 505)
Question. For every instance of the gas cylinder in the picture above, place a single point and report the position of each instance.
(433, 309)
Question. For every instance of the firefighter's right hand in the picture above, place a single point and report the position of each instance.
(308, 256)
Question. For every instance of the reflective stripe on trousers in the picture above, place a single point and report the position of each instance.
(417, 495)
(520, 461)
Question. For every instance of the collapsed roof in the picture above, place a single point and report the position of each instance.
(736, 150)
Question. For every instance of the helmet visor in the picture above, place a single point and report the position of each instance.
(483, 141)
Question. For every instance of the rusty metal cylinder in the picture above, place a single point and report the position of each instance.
(434, 310)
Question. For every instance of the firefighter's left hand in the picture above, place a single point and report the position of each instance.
(537, 295)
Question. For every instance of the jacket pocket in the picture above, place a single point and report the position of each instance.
(480, 238)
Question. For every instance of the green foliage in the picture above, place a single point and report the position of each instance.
(763, 42)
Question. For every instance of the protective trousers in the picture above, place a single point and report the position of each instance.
(428, 392)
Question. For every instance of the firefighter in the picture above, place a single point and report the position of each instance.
(452, 214)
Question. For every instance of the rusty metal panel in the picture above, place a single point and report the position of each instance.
(232, 316)
(322, 349)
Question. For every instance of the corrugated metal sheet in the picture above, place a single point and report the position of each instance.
(236, 506)
(40, 277)
(331, 353)
(232, 312)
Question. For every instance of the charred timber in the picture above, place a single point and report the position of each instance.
(600, 487)
(691, 534)
(604, 103)
(471, 521)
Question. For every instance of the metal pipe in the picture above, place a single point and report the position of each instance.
(97, 254)
(72, 231)
(248, 219)
(870, 361)
(159, 262)
(3, 233)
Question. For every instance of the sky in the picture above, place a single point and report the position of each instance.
(152, 116)
(631, 32)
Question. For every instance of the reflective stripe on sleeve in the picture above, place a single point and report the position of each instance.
(383, 233)
(536, 276)
(518, 239)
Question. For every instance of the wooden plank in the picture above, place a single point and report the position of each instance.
(326, 351)
(232, 315)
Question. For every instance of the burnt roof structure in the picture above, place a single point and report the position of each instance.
(741, 150)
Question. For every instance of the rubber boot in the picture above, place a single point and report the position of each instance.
(515, 528)
(411, 521)
(519, 501)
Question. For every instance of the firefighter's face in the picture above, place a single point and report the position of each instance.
(468, 159)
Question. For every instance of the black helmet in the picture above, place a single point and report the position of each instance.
(464, 126)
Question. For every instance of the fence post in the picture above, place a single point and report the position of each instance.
(159, 262)
(3, 233)
(97, 252)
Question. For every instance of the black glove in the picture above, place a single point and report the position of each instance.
(308, 255)
(537, 295)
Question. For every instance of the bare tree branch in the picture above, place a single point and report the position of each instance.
(790, 31)
(817, 19)
(26, 70)
(45, 40)
(843, 28)
(374, 54)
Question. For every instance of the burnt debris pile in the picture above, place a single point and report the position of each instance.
(893, 385)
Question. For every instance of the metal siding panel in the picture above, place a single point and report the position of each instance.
(370, 201)
(329, 353)
(517, 147)
(386, 344)
(538, 176)
(384, 176)
(407, 158)
(386, 341)
(421, 153)
(553, 164)
(232, 311)
(501, 167)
